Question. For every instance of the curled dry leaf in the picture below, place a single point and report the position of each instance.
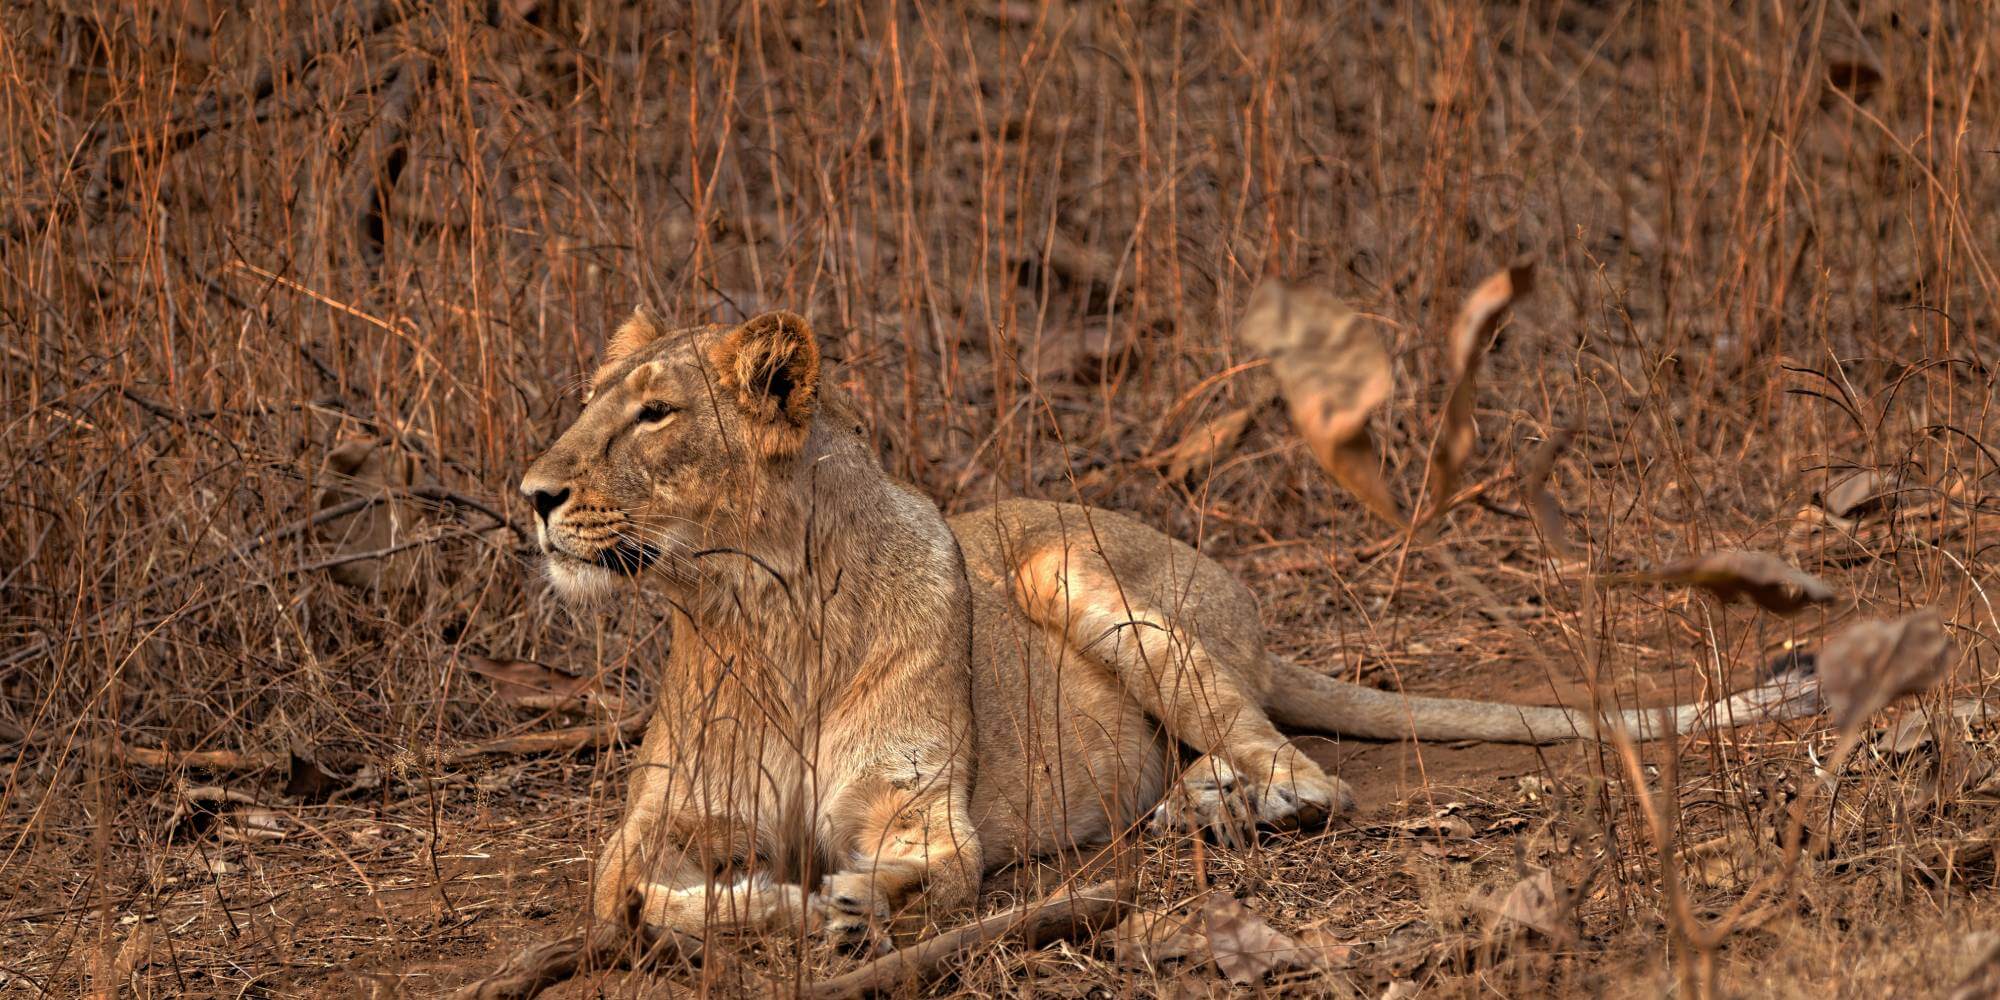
(1871, 664)
(1547, 514)
(1204, 445)
(531, 685)
(1857, 77)
(1333, 371)
(1734, 574)
(311, 782)
(1533, 902)
(1470, 334)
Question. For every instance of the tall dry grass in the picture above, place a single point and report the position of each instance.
(237, 240)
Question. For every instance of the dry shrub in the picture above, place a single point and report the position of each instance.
(240, 245)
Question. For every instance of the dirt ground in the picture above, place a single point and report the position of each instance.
(291, 293)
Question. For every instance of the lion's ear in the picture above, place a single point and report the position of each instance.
(638, 330)
(771, 363)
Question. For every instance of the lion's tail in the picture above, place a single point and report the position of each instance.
(1305, 699)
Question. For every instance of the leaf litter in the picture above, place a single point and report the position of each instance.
(1221, 930)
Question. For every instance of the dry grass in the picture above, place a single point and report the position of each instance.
(235, 243)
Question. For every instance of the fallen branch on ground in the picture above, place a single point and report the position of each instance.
(1063, 915)
(599, 735)
(211, 760)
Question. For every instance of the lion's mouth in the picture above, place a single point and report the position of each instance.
(627, 558)
(624, 558)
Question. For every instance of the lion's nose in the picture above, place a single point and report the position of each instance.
(546, 501)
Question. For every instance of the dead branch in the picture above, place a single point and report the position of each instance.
(212, 760)
(1065, 914)
(602, 734)
(598, 735)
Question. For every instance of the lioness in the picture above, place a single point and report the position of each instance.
(869, 698)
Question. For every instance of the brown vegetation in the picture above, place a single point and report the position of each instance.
(290, 292)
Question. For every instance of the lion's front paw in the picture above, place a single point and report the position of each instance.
(848, 908)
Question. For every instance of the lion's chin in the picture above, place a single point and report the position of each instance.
(580, 581)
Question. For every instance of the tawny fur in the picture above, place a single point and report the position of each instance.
(864, 700)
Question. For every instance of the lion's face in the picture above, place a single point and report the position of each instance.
(679, 429)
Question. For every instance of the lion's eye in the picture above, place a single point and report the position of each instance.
(656, 411)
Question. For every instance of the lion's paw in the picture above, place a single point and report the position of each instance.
(848, 908)
(1208, 799)
(1301, 800)
(1214, 799)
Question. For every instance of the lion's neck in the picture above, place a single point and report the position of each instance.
(777, 610)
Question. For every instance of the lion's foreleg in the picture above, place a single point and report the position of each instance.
(691, 874)
(903, 843)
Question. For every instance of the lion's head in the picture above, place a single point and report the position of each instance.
(679, 431)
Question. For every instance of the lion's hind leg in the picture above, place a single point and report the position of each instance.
(1248, 774)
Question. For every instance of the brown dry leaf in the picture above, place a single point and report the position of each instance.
(1330, 952)
(1203, 446)
(1333, 371)
(1913, 728)
(1735, 574)
(1871, 664)
(1470, 334)
(1547, 514)
(1222, 930)
(531, 685)
(310, 782)
(135, 954)
(1533, 902)
(1148, 939)
(231, 814)
(1857, 77)
(1245, 947)
(1858, 494)
(1441, 825)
